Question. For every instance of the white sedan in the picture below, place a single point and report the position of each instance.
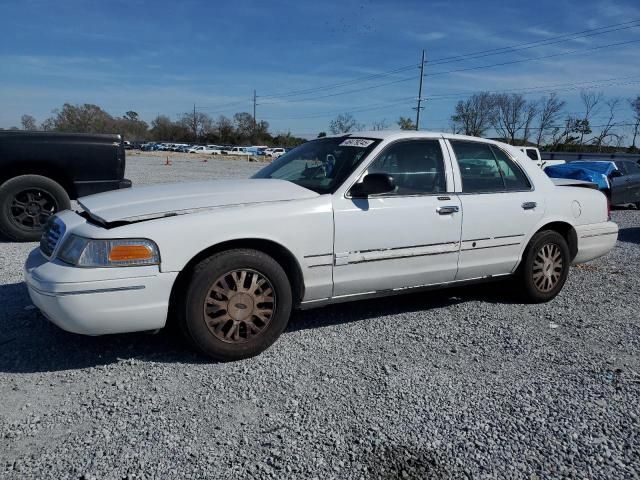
(336, 219)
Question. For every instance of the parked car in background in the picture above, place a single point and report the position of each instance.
(625, 185)
(214, 149)
(276, 152)
(337, 219)
(619, 179)
(40, 172)
(127, 145)
(534, 154)
(239, 151)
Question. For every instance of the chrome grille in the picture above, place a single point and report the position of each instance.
(53, 232)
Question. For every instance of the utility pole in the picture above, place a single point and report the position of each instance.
(195, 124)
(420, 107)
(254, 111)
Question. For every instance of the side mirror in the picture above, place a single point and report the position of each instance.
(373, 184)
(615, 174)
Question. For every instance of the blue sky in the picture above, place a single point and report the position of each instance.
(162, 57)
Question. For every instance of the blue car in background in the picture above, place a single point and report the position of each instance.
(619, 179)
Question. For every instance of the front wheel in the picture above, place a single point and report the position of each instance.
(26, 203)
(237, 304)
(545, 266)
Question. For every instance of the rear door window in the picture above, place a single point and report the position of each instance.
(486, 169)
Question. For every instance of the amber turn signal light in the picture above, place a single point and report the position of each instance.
(124, 253)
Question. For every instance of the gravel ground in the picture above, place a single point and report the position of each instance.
(452, 384)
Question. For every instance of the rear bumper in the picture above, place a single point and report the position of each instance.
(91, 187)
(98, 301)
(595, 240)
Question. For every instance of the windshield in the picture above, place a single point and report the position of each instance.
(320, 165)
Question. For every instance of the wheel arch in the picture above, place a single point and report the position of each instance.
(278, 252)
(14, 170)
(563, 228)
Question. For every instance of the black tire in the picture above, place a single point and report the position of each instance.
(538, 277)
(26, 202)
(199, 323)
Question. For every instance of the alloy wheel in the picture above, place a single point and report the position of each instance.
(239, 306)
(547, 267)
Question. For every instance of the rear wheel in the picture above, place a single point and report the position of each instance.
(237, 304)
(26, 203)
(545, 267)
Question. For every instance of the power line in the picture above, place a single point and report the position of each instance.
(378, 106)
(341, 84)
(470, 56)
(544, 88)
(543, 57)
(540, 43)
(530, 90)
(371, 87)
(443, 60)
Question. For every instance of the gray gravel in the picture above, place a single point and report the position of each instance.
(453, 384)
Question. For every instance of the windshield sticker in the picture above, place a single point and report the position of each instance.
(356, 142)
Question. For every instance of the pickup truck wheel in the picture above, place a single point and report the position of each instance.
(237, 305)
(545, 266)
(26, 203)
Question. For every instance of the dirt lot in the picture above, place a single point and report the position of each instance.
(451, 384)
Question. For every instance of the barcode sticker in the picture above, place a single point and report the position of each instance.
(356, 142)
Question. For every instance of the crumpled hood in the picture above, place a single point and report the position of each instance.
(155, 201)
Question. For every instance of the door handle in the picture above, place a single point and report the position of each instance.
(448, 210)
(529, 205)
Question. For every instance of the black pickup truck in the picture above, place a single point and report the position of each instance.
(40, 172)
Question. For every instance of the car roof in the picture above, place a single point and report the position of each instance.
(400, 134)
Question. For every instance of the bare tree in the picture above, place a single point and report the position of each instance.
(379, 125)
(224, 129)
(635, 107)
(475, 115)
(344, 123)
(550, 108)
(510, 115)
(605, 133)
(572, 125)
(590, 101)
(28, 122)
(531, 111)
(198, 123)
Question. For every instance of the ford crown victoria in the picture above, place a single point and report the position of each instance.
(336, 219)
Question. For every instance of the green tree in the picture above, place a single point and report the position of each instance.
(405, 123)
(86, 118)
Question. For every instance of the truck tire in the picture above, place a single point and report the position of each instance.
(237, 304)
(545, 267)
(26, 203)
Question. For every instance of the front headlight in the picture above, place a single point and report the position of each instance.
(121, 252)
